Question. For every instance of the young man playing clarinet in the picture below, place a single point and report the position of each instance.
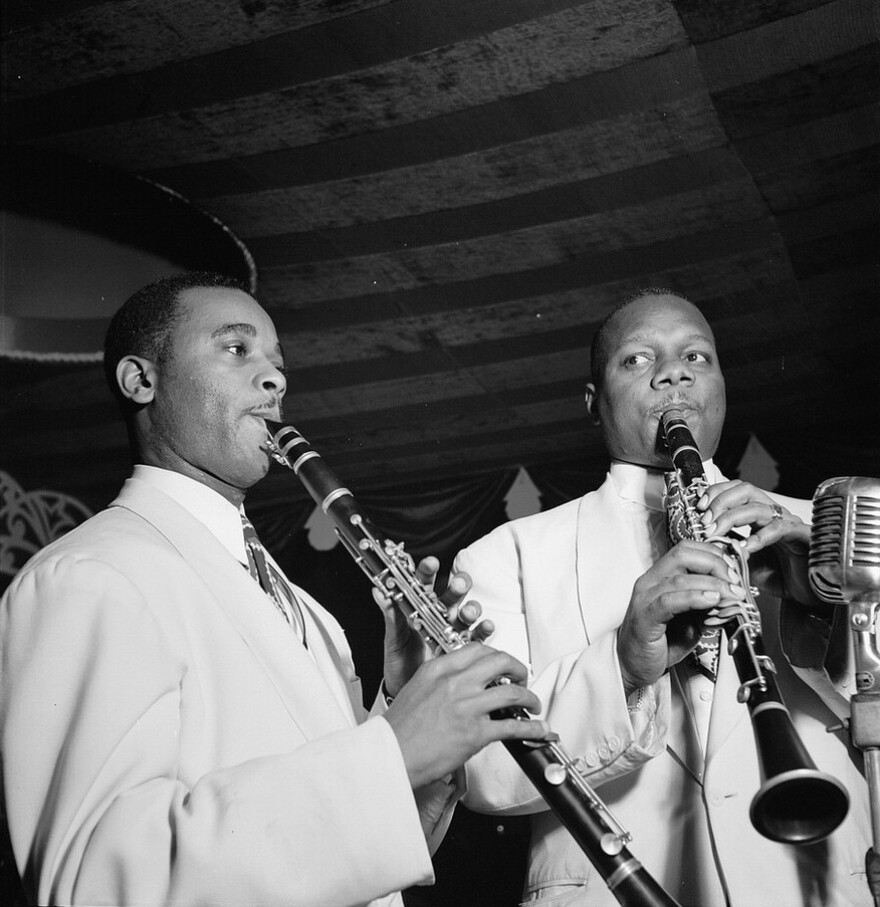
(596, 580)
(178, 723)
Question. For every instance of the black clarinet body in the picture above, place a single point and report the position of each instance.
(796, 803)
(551, 770)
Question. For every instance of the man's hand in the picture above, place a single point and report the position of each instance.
(668, 605)
(404, 648)
(441, 717)
(736, 503)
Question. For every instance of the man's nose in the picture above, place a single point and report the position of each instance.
(272, 379)
(672, 370)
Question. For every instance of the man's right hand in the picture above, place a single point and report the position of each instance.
(668, 606)
(441, 717)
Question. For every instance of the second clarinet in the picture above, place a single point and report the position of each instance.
(796, 803)
(546, 763)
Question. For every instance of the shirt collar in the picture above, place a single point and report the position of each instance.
(647, 487)
(222, 518)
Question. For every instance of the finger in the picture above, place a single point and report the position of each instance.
(685, 592)
(504, 696)
(482, 631)
(388, 607)
(426, 571)
(516, 729)
(689, 557)
(722, 495)
(458, 661)
(677, 602)
(494, 664)
(465, 614)
(458, 586)
(746, 509)
(778, 530)
(479, 665)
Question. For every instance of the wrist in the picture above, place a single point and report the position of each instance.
(385, 694)
(630, 685)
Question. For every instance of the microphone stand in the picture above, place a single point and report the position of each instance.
(844, 570)
(864, 722)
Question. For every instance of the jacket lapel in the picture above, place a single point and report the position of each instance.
(607, 560)
(313, 705)
(329, 652)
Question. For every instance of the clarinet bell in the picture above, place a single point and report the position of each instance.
(796, 803)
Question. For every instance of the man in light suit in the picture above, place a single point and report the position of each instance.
(168, 735)
(595, 580)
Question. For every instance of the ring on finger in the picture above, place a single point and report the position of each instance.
(777, 512)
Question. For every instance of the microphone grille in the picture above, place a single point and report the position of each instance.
(845, 538)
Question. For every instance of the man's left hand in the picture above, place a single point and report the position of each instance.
(736, 503)
(405, 650)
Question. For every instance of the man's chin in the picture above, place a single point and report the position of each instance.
(253, 473)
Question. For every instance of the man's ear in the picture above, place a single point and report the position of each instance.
(591, 397)
(136, 378)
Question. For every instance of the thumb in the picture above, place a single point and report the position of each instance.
(386, 605)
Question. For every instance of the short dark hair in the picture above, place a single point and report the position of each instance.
(142, 326)
(599, 346)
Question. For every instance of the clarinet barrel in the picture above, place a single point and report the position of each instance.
(796, 803)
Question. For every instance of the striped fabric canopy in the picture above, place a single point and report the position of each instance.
(443, 197)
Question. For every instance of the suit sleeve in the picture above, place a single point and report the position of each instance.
(581, 692)
(435, 801)
(91, 711)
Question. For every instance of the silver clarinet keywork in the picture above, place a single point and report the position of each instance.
(796, 803)
(555, 774)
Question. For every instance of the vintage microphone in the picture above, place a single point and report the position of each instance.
(844, 570)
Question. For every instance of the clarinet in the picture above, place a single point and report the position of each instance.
(548, 766)
(796, 803)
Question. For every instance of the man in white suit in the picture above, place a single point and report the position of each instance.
(167, 735)
(594, 580)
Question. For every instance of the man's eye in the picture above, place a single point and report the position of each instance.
(237, 349)
(696, 357)
(636, 359)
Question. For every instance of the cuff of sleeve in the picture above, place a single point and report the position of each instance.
(649, 710)
(635, 700)
(436, 804)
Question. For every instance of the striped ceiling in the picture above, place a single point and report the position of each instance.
(443, 197)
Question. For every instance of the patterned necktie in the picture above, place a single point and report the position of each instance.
(705, 655)
(271, 583)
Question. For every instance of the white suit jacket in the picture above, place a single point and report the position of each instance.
(536, 579)
(165, 739)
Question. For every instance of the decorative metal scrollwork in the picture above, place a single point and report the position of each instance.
(29, 520)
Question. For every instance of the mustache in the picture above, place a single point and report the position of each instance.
(674, 401)
(268, 408)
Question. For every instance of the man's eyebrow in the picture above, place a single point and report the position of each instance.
(648, 337)
(239, 327)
